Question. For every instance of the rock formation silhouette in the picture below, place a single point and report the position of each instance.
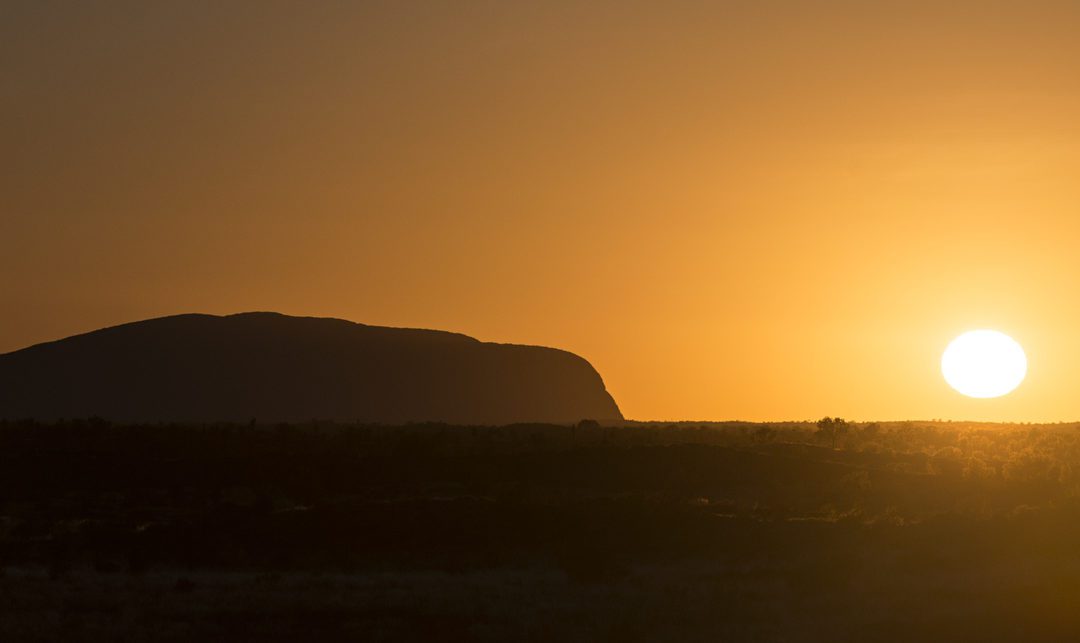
(277, 368)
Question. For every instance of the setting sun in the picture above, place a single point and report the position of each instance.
(984, 364)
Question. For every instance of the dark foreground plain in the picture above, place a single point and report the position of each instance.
(687, 532)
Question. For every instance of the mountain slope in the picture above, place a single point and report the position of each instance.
(275, 368)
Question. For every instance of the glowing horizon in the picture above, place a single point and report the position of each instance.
(732, 211)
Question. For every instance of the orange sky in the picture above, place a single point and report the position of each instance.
(752, 210)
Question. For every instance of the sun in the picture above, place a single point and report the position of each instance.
(984, 364)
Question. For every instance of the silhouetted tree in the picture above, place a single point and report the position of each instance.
(829, 429)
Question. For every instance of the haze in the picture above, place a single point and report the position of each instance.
(754, 210)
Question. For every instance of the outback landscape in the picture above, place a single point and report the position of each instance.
(826, 530)
(544, 321)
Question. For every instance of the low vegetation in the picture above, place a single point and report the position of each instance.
(828, 530)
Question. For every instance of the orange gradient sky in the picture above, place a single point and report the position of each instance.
(753, 210)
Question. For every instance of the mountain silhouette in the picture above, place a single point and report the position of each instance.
(277, 368)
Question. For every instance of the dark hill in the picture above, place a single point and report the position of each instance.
(275, 368)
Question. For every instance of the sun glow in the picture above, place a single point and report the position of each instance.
(984, 364)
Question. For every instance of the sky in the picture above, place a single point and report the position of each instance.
(735, 210)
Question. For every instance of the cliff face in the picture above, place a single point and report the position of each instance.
(275, 368)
